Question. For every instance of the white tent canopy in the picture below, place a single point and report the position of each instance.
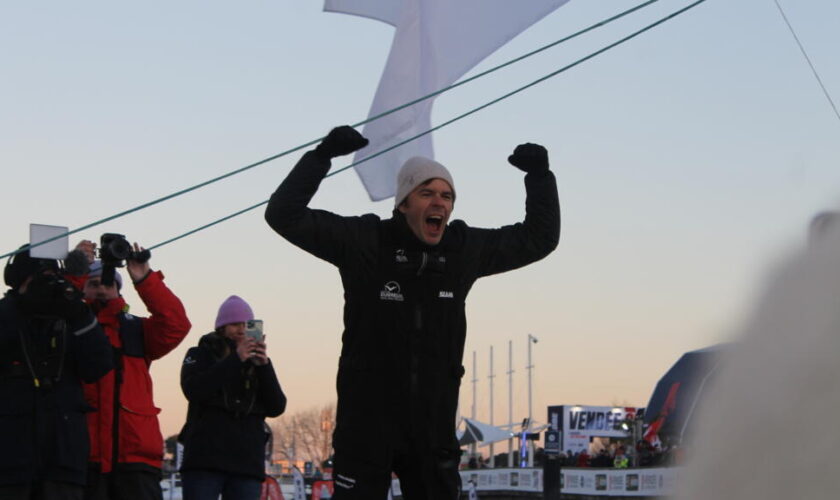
(481, 433)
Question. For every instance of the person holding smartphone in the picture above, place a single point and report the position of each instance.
(231, 387)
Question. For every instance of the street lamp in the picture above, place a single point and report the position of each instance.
(531, 340)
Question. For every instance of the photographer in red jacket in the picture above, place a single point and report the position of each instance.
(126, 450)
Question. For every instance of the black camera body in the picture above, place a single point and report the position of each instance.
(114, 250)
(63, 289)
(50, 295)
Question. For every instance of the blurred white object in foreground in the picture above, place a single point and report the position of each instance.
(769, 428)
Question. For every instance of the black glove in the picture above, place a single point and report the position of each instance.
(340, 141)
(530, 158)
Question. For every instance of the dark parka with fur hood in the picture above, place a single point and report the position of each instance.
(404, 322)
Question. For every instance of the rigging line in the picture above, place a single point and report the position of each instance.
(463, 115)
(209, 224)
(315, 141)
(808, 59)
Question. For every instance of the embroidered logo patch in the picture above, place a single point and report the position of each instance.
(391, 291)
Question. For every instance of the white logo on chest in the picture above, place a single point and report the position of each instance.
(391, 291)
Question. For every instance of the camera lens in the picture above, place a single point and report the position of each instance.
(119, 248)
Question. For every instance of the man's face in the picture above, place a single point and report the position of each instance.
(427, 210)
(95, 290)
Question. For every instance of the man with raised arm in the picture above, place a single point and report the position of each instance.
(405, 281)
(126, 444)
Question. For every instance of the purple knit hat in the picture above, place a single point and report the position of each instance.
(233, 310)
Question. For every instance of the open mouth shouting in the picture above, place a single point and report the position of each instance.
(427, 210)
(434, 223)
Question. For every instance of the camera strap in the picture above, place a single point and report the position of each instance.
(44, 347)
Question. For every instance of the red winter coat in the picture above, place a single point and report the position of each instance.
(139, 341)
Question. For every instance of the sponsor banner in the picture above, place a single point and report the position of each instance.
(600, 482)
(504, 479)
(579, 424)
(626, 482)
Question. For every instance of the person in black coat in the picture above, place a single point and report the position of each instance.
(231, 387)
(50, 342)
(406, 280)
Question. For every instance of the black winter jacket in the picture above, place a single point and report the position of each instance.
(43, 362)
(404, 322)
(228, 402)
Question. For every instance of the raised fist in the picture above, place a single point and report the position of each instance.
(529, 158)
(341, 141)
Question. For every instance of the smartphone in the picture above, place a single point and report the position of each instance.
(254, 329)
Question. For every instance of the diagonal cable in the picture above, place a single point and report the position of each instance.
(461, 116)
(808, 59)
(315, 141)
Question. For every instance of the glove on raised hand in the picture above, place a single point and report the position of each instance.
(340, 141)
(530, 158)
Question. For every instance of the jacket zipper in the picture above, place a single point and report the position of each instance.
(423, 263)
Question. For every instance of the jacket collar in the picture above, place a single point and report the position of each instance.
(404, 236)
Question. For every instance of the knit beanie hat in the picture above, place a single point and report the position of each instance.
(96, 271)
(417, 170)
(233, 310)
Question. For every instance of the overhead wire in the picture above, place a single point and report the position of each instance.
(463, 115)
(316, 141)
(808, 60)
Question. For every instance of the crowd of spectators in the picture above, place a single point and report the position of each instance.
(643, 454)
(614, 455)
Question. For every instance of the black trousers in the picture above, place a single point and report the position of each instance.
(422, 475)
(122, 484)
(42, 490)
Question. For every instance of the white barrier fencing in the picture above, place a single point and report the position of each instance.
(619, 483)
(597, 482)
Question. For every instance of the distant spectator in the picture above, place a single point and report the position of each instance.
(657, 456)
(645, 453)
(602, 459)
(583, 459)
(621, 461)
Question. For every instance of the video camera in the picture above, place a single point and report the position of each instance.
(51, 295)
(114, 250)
